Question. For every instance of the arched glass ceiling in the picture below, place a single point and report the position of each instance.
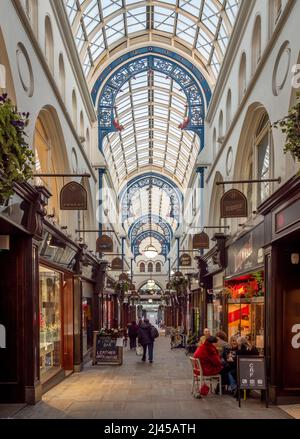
(150, 107)
(160, 205)
(203, 27)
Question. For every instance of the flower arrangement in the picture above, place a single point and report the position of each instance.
(121, 288)
(16, 158)
(179, 284)
(113, 332)
(290, 125)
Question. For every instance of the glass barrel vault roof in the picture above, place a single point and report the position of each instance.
(202, 26)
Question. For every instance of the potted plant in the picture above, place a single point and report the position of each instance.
(290, 126)
(16, 158)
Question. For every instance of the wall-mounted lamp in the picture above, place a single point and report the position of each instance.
(295, 258)
(4, 242)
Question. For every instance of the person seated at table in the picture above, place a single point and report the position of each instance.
(229, 361)
(245, 347)
(204, 337)
(222, 341)
(209, 358)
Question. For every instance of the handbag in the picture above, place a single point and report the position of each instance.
(204, 389)
(139, 350)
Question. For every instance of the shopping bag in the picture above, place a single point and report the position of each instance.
(139, 350)
(204, 389)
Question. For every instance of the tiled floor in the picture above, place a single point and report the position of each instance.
(139, 390)
(292, 410)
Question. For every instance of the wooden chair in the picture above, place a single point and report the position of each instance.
(199, 378)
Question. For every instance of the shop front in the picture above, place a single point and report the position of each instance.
(282, 283)
(58, 263)
(21, 224)
(212, 278)
(244, 287)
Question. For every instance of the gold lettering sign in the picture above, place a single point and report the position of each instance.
(185, 260)
(73, 196)
(200, 241)
(104, 244)
(234, 204)
(117, 264)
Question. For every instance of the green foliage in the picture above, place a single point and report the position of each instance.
(16, 158)
(290, 126)
(179, 284)
(121, 288)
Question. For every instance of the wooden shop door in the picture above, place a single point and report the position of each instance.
(68, 323)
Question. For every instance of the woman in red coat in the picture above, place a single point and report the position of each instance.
(209, 357)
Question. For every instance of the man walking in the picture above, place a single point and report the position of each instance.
(146, 336)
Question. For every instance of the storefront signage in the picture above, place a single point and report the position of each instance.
(287, 216)
(117, 264)
(246, 253)
(296, 338)
(73, 196)
(185, 260)
(2, 337)
(251, 373)
(234, 204)
(104, 244)
(200, 241)
(106, 350)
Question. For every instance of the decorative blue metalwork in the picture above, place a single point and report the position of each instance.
(165, 227)
(135, 245)
(162, 182)
(170, 67)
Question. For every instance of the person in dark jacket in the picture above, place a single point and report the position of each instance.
(146, 336)
(132, 334)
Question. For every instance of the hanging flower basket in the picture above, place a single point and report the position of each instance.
(290, 126)
(16, 158)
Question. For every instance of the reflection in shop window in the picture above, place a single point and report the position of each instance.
(50, 322)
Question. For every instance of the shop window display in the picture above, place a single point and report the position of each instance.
(50, 322)
(87, 324)
(246, 308)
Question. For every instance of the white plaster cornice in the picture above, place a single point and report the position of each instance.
(220, 86)
(40, 55)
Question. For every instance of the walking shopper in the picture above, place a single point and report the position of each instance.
(146, 336)
(132, 334)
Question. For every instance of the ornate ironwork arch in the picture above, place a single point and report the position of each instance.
(135, 244)
(167, 231)
(161, 60)
(158, 180)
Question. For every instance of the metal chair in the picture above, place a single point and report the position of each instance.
(199, 378)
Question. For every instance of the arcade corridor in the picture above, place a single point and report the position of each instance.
(135, 390)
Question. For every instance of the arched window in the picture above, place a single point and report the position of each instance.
(49, 49)
(142, 267)
(256, 44)
(242, 78)
(214, 143)
(87, 142)
(275, 11)
(150, 267)
(62, 77)
(32, 14)
(263, 152)
(74, 110)
(221, 128)
(158, 267)
(81, 121)
(228, 110)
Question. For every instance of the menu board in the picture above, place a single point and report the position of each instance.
(106, 350)
(252, 374)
